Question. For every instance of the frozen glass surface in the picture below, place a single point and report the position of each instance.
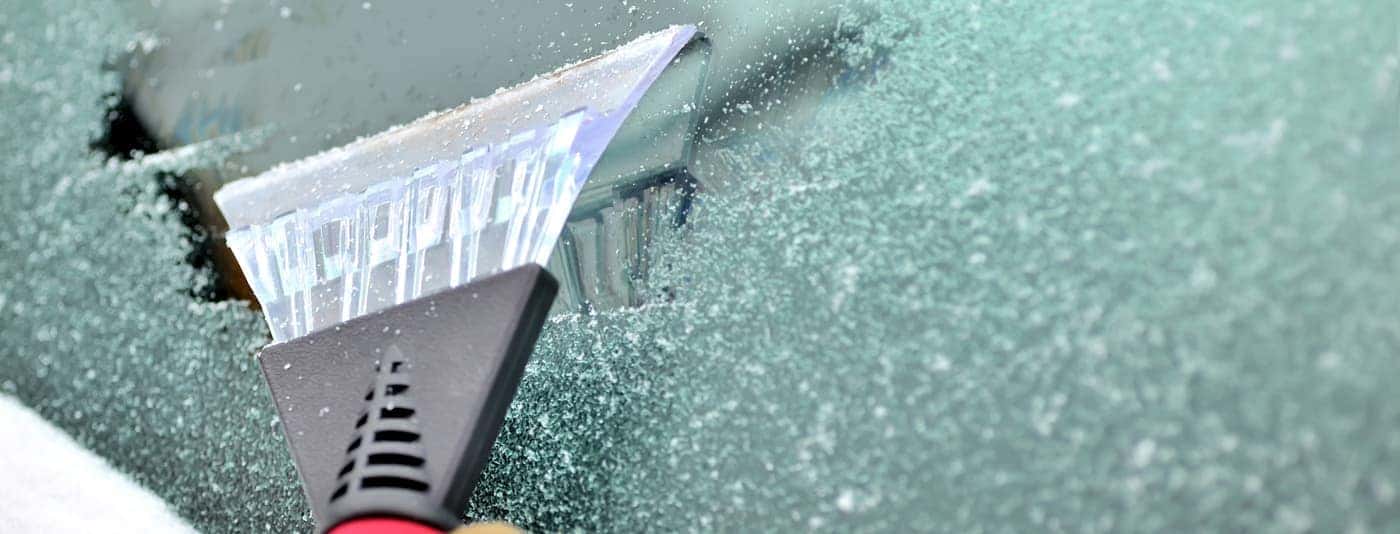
(437, 203)
(1073, 266)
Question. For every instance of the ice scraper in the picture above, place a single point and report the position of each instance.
(402, 277)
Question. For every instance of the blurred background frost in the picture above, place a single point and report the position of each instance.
(1081, 266)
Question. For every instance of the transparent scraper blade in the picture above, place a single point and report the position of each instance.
(439, 202)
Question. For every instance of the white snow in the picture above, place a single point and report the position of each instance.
(49, 483)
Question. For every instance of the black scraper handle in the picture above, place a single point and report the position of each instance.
(391, 416)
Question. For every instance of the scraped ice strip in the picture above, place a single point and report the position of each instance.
(454, 196)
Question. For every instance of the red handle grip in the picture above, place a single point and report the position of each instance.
(382, 525)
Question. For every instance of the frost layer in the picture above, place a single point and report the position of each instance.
(99, 329)
(1078, 266)
(1070, 266)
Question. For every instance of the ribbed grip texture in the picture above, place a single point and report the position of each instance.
(386, 452)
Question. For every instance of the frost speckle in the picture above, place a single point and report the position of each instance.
(1068, 100)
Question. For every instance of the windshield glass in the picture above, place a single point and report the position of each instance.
(974, 266)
